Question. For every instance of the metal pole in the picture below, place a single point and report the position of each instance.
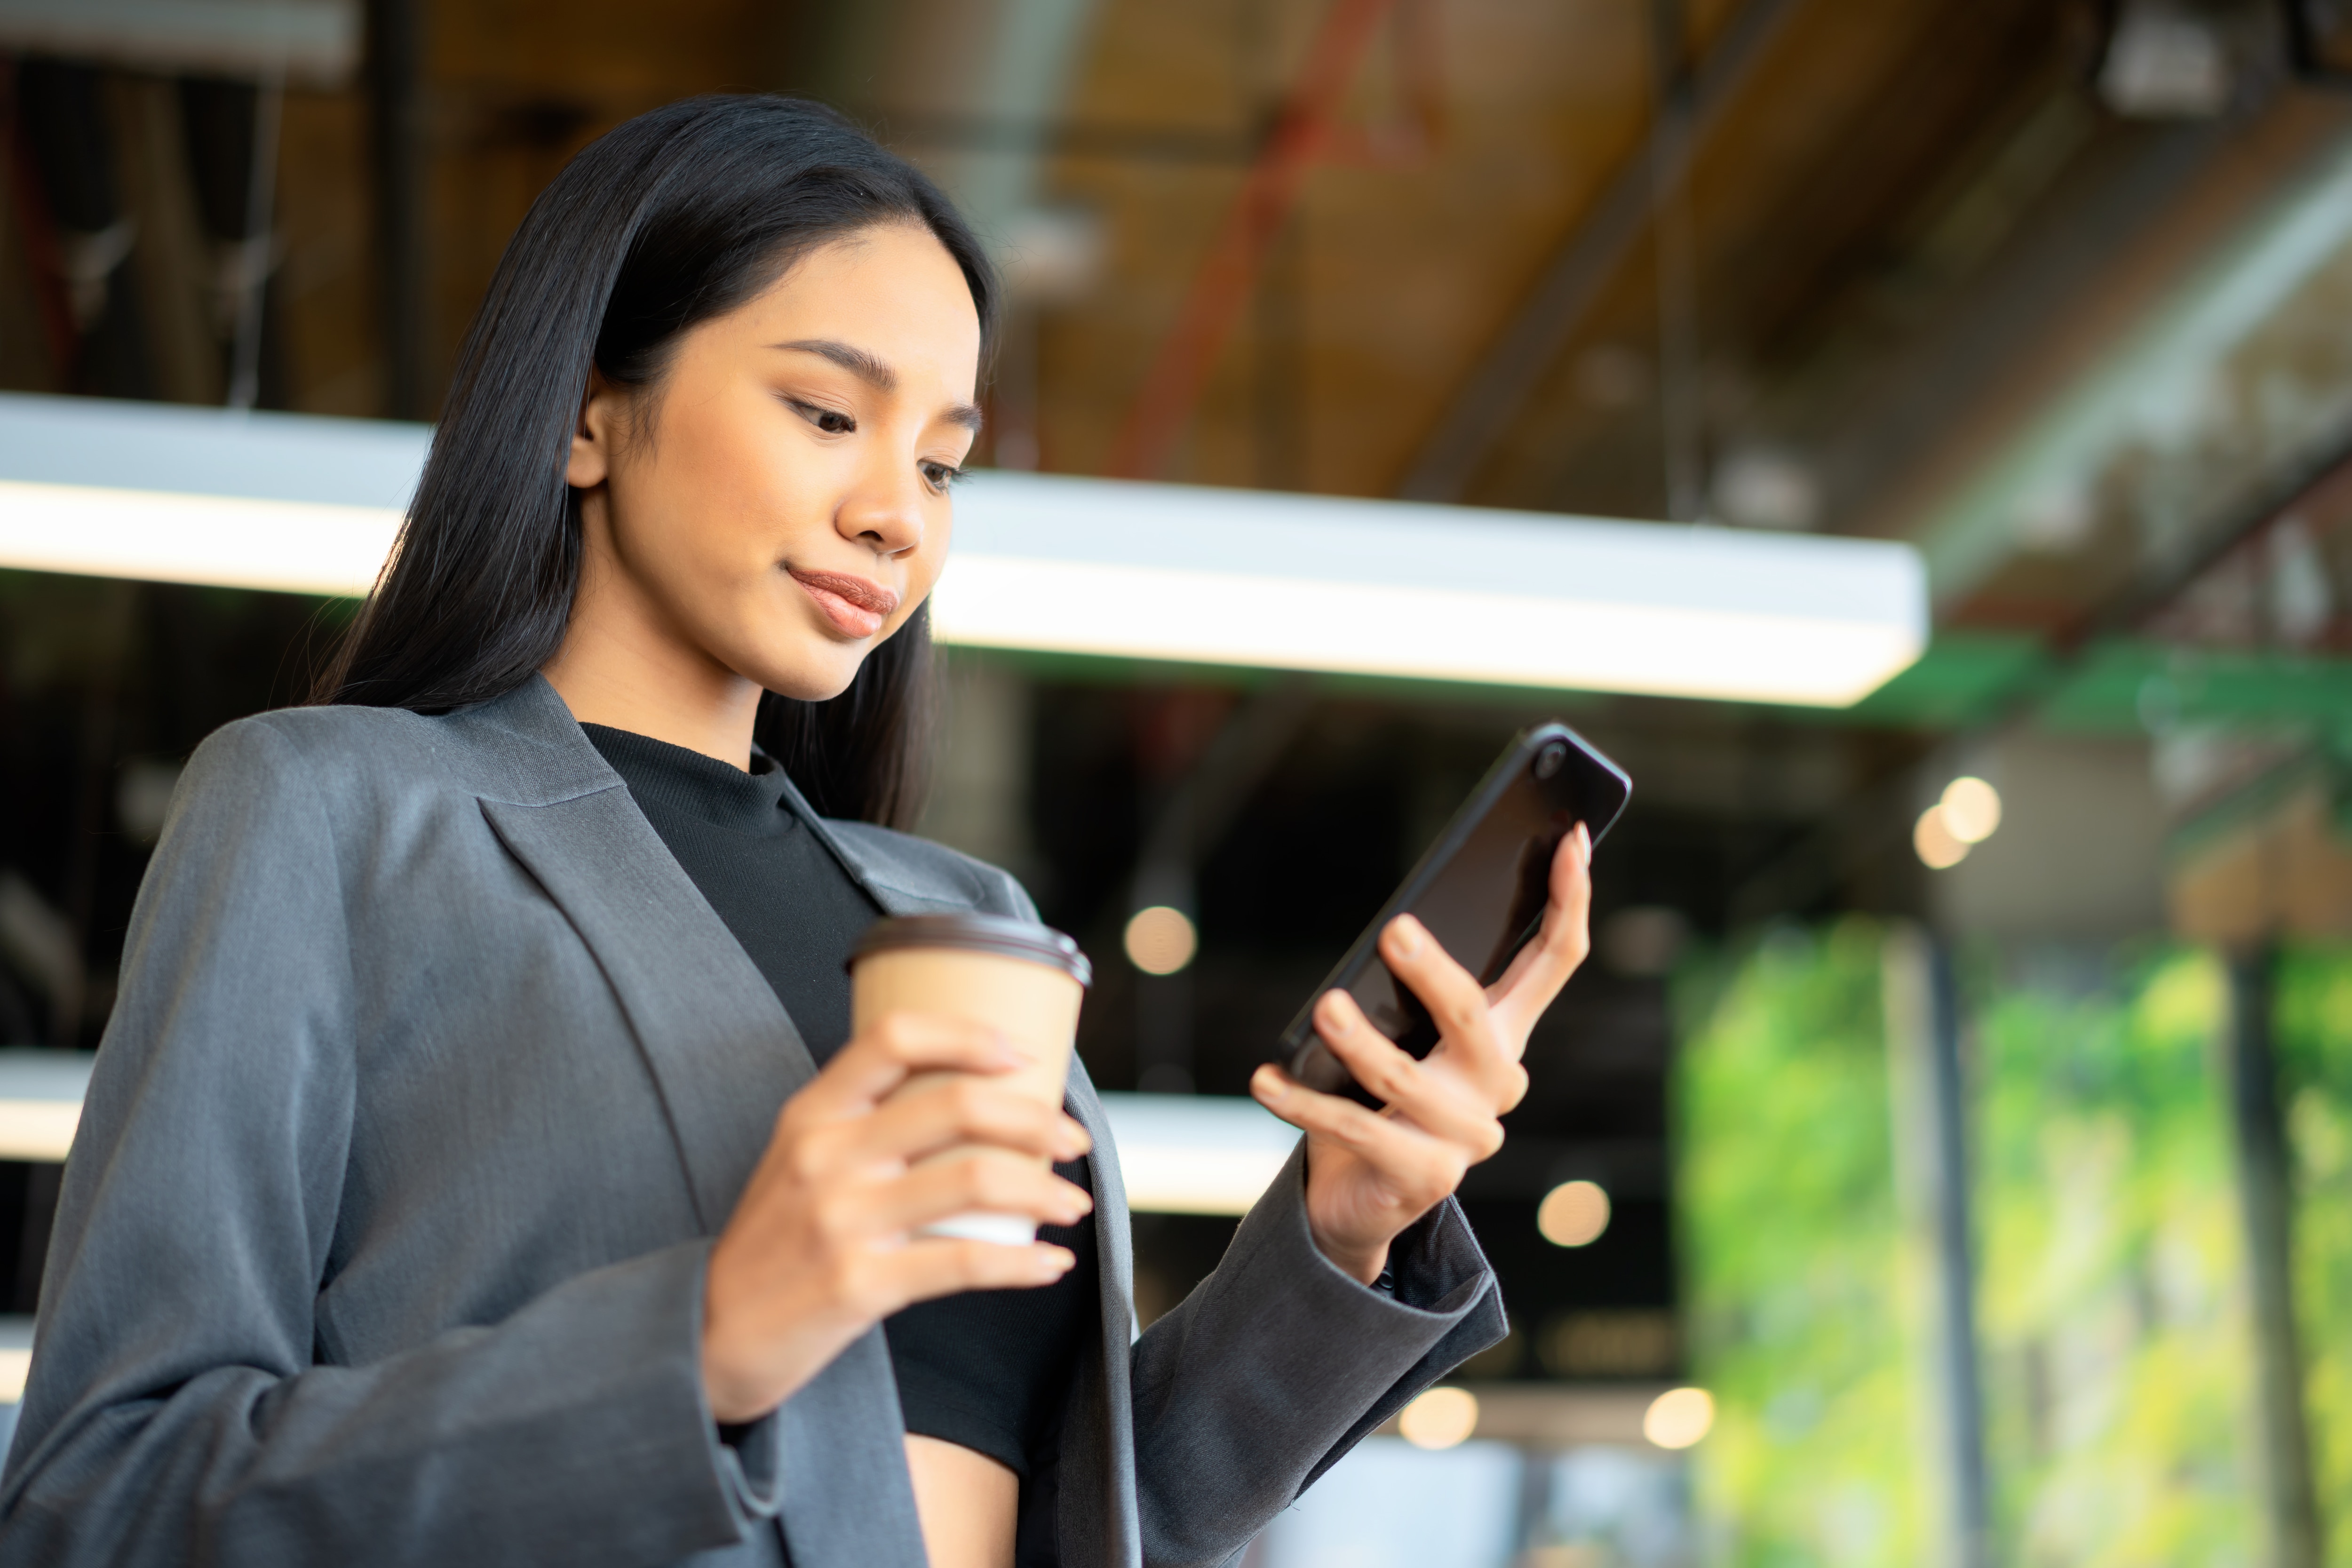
(2265, 1199)
(1957, 1280)
(1927, 1087)
(255, 257)
(395, 48)
(1680, 427)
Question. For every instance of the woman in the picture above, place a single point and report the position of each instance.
(460, 1182)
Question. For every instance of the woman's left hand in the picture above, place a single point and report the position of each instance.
(1371, 1173)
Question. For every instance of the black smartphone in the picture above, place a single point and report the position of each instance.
(1480, 889)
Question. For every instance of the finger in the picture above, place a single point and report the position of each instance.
(1459, 1002)
(1561, 946)
(1438, 1103)
(963, 1109)
(893, 1048)
(982, 1182)
(931, 1266)
(1415, 1167)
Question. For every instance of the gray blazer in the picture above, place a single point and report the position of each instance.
(430, 1078)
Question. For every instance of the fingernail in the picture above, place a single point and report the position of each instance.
(1267, 1085)
(1408, 935)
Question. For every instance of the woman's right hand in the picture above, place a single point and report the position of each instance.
(821, 1246)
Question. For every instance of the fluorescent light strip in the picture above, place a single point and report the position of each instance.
(1196, 1153)
(1063, 564)
(38, 1129)
(1179, 1153)
(1505, 639)
(314, 41)
(40, 1102)
(295, 547)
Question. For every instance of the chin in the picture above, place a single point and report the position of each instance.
(815, 676)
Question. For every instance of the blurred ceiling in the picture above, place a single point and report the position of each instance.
(2049, 285)
(1824, 258)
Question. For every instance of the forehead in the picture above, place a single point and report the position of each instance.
(892, 290)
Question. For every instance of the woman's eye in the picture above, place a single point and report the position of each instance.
(831, 421)
(941, 475)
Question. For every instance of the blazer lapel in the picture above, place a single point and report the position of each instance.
(892, 900)
(724, 1056)
(722, 1050)
(1098, 1520)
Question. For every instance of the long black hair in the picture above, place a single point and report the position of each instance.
(675, 217)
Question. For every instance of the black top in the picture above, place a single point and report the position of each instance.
(987, 1368)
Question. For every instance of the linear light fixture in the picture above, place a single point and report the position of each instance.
(40, 1102)
(1196, 1153)
(314, 42)
(1179, 1153)
(1053, 563)
(1296, 582)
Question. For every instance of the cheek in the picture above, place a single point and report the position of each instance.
(931, 559)
(923, 569)
(706, 513)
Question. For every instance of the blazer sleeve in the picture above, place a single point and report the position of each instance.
(174, 1414)
(1278, 1364)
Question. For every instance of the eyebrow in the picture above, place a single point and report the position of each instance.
(876, 373)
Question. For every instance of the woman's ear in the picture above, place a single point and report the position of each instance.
(601, 413)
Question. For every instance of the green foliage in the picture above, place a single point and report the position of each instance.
(2117, 1355)
(1791, 1249)
(2115, 1337)
(2312, 1033)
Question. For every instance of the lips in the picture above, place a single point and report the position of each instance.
(855, 607)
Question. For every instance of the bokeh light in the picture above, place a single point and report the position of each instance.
(1440, 1418)
(1573, 1214)
(1939, 848)
(1679, 1417)
(1161, 940)
(1971, 810)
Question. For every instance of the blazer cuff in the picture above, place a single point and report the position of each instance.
(1279, 1361)
(1436, 1269)
(748, 1468)
(744, 1456)
(1443, 1305)
(1344, 1338)
(611, 1359)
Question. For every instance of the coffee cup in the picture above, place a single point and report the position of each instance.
(1023, 979)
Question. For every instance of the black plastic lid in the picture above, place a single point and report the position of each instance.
(978, 933)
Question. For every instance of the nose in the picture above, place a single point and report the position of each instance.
(884, 511)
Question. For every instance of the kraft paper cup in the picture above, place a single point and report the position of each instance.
(1024, 981)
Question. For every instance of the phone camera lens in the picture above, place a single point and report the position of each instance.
(1548, 760)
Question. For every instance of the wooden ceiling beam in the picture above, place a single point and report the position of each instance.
(1513, 364)
(1172, 385)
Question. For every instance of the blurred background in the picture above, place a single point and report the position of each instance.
(1947, 1157)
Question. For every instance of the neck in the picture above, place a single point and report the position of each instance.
(620, 667)
(718, 723)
